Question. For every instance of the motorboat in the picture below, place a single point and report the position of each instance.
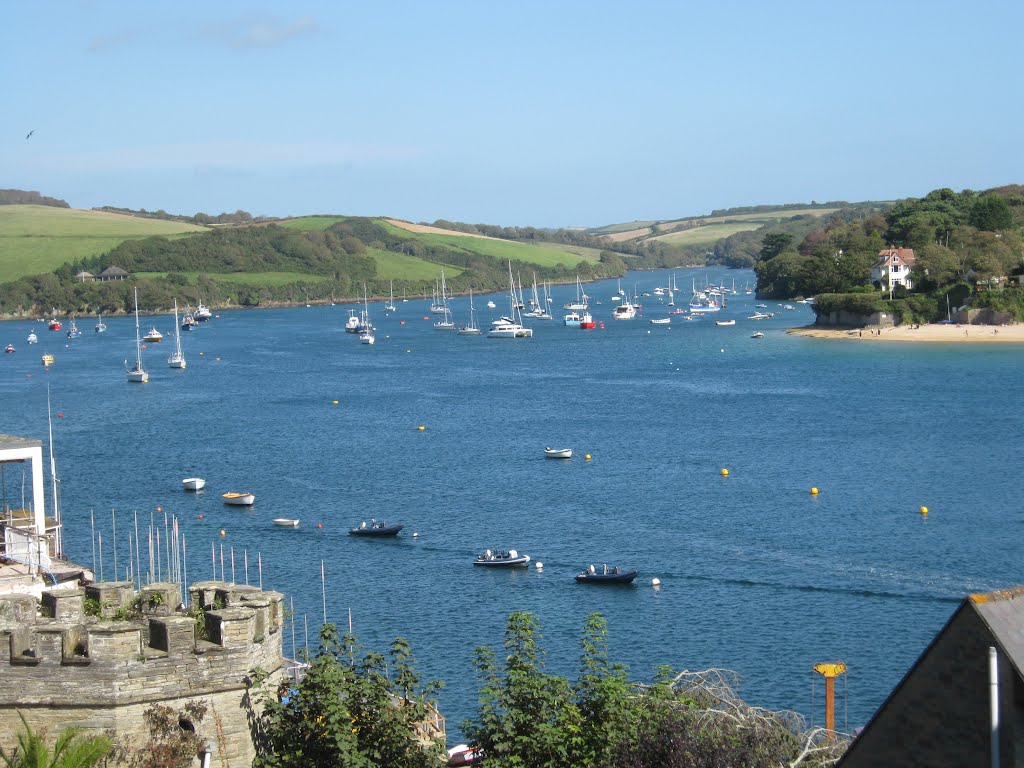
(501, 558)
(625, 311)
(587, 321)
(491, 305)
(761, 316)
(558, 453)
(47, 359)
(9, 349)
(202, 314)
(572, 319)
(352, 324)
(153, 336)
(100, 327)
(54, 325)
(286, 522)
(377, 528)
(661, 320)
(73, 332)
(614, 576)
(510, 326)
(725, 322)
(193, 483)
(757, 335)
(236, 499)
(32, 338)
(463, 754)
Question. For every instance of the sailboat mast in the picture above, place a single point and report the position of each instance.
(58, 538)
(138, 340)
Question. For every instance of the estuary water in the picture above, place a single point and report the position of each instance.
(757, 575)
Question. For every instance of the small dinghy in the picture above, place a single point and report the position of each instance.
(239, 499)
(500, 558)
(376, 528)
(558, 453)
(286, 522)
(193, 483)
(614, 576)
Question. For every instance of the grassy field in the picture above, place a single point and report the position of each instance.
(311, 223)
(271, 279)
(399, 266)
(35, 239)
(712, 233)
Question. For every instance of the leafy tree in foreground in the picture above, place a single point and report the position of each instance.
(345, 711)
(71, 750)
(531, 719)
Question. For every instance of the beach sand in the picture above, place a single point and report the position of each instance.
(932, 332)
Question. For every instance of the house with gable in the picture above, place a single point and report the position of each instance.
(962, 702)
(892, 268)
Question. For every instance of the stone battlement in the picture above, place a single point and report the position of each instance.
(142, 647)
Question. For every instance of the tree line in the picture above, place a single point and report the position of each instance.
(24, 197)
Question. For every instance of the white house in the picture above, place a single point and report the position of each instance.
(893, 267)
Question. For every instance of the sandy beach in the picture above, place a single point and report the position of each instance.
(932, 332)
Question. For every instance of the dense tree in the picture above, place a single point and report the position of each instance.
(345, 711)
(774, 243)
(991, 213)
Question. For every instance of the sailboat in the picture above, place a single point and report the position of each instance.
(510, 327)
(441, 306)
(138, 373)
(366, 334)
(390, 306)
(177, 359)
(101, 327)
(470, 329)
(581, 298)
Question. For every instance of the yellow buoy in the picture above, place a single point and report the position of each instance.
(814, 491)
(334, 402)
(725, 472)
(222, 532)
(421, 428)
(924, 511)
(587, 457)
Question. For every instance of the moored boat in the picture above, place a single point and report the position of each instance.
(757, 335)
(153, 336)
(285, 522)
(614, 576)
(54, 325)
(9, 349)
(509, 558)
(193, 483)
(558, 453)
(47, 359)
(377, 528)
(725, 322)
(32, 338)
(237, 499)
(661, 320)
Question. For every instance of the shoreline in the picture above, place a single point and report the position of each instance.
(936, 333)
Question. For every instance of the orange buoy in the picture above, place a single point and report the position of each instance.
(200, 516)
(222, 532)
(319, 525)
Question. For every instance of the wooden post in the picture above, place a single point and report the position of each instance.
(830, 672)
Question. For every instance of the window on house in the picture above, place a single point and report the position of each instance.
(895, 267)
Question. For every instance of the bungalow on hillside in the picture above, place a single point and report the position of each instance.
(85, 277)
(113, 273)
(962, 702)
(893, 267)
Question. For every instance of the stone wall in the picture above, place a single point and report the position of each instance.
(62, 668)
(846, 319)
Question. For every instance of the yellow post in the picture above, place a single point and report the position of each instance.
(830, 672)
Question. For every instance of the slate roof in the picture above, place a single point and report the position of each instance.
(1003, 614)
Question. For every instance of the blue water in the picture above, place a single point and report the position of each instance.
(757, 575)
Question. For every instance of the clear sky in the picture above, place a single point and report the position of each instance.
(516, 113)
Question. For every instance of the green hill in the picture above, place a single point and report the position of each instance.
(36, 239)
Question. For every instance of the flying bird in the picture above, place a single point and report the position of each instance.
(29, 134)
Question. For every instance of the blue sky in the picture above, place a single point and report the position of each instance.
(527, 113)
